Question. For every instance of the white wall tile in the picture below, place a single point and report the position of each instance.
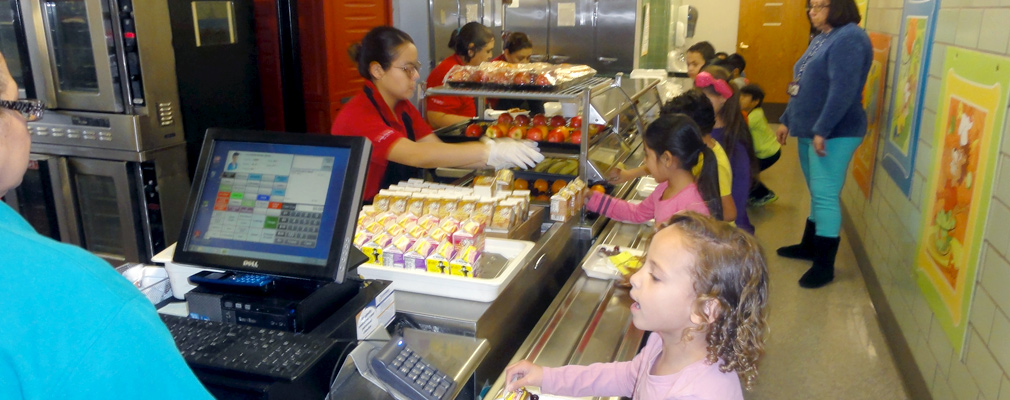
(1005, 3)
(946, 25)
(931, 102)
(1004, 390)
(997, 230)
(1005, 147)
(983, 367)
(940, 389)
(968, 26)
(1001, 187)
(961, 382)
(1001, 348)
(941, 348)
(936, 58)
(954, 3)
(995, 275)
(985, 3)
(983, 310)
(924, 158)
(995, 31)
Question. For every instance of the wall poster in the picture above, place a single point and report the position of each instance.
(914, 46)
(969, 122)
(865, 159)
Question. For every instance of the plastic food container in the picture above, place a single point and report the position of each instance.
(457, 287)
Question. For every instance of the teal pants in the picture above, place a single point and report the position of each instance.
(825, 177)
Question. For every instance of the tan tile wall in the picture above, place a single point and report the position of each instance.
(888, 224)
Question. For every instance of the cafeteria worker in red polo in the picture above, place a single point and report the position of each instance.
(471, 45)
(402, 143)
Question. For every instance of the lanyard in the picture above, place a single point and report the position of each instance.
(813, 52)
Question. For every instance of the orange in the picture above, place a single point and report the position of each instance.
(599, 188)
(540, 186)
(557, 186)
(521, 184)
(542, 197)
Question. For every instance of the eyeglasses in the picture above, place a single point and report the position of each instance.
(411, 68)
(818, 7)
(31, 110)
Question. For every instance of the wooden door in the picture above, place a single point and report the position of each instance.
(327, 28)
(772, 35)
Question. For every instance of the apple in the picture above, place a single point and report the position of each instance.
(539, 119)
(575, 122)
(505, 119)
(542, 80)
(517, 132)
(594, 128)
(575, 138)
(563, 130)
(557, 121)
(522, 78)
(556, 136)
(493, 131)
(473, 130)
(536, 133)
(521, 120)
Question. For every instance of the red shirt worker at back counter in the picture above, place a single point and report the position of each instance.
(471, 44)
(402, 142)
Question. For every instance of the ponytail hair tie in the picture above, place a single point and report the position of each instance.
(720, 86)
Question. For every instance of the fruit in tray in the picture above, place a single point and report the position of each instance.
(562, 166)
(625, 263)
(518, 394)
(474, 130)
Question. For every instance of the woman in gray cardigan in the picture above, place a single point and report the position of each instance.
(825, 114)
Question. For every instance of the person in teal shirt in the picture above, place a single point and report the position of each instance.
(72, 327)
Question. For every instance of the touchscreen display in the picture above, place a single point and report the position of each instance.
(266, 201)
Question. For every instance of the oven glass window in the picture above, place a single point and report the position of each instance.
(100, 213)
(70, 36)
(214, 22)
(9, 42)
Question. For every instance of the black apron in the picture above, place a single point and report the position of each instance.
(396, 172)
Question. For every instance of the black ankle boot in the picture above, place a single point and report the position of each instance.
(823, 270)
(804, 250)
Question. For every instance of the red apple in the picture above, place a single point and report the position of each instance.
(521, 120)
(564, 130)
(517, 132)
(575, 122)
(505, 119)
(539, 119)
(535, 134)
(473, 130)
(576, 137)
(522, 78)
(557, 121)
(556, 136)
(493, 131)
(542, 80)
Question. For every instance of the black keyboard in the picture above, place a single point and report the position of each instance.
(246, 349)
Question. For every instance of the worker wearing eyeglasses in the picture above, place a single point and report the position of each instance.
(471, 44)
(825, 113)
(402, 143)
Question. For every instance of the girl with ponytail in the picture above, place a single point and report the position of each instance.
(673, 146)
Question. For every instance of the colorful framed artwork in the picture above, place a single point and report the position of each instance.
(865, 159)
(969, 124)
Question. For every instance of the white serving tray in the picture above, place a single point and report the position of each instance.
(599, 266)
(458, 287)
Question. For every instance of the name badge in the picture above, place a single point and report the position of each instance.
(793, 89)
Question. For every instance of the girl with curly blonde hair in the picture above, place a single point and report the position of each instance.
(702, 291)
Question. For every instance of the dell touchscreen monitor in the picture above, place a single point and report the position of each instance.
(282, 204)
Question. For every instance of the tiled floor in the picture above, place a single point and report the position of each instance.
(824, 343)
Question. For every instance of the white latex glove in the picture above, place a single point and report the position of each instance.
(507, 153)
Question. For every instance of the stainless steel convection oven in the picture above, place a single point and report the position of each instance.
(108, 166)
